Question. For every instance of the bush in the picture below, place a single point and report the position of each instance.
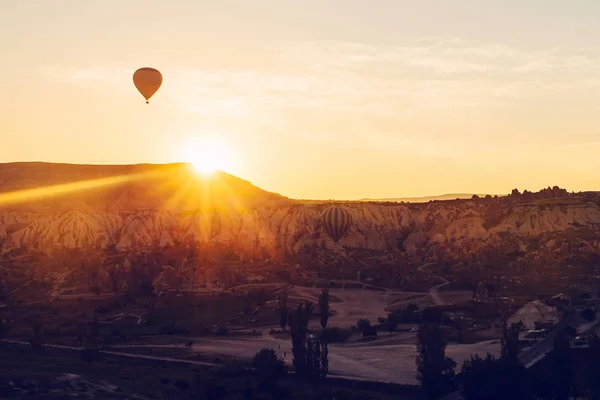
(90, 354)
(336, 335)
(231, 369)
(432, 315)
(37, 345)
(370, 331)
(269, 368)
(362, 324)
(489, 378)
(222, 331)
(173, 330)
(588, 314)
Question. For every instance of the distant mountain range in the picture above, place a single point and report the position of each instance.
(450, 196)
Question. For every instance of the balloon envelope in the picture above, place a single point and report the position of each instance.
(337, 222)
(147, 81)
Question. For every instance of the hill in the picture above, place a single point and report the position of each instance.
(169, 187)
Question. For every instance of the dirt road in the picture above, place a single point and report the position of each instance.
(434, 291)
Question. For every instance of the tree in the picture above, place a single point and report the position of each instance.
(95, 325)
(308, 310)
(463, 331)
(363, 324)
(269, 368)
(490, 379)
(435, 371)
(511, 371)
(248, 393)
(588, 314)
(90, 354)
(36, 340)
(561, 367)
(391, 326)
(510, 343)
(432, 315)
(370, 331)
(324, 307)
(298, 330)
(476, 378)
(310, 354)
(212, 391)
(283, 310)
(410, 312)
(593, 370)
(114, 272)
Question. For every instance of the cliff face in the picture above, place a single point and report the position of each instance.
(175, 208)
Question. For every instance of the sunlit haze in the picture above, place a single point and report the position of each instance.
(208, 155)
(315, 99)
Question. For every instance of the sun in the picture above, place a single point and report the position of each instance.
(208, 156)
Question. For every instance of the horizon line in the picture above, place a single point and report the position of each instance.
(391, 199)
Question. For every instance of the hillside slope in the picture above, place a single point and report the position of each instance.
(49, 188)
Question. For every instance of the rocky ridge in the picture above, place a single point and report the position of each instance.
(245, 217)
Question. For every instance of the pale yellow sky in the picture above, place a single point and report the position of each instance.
(316, 99)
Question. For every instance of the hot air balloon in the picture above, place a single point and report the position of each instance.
(147, 81)
(336, 221)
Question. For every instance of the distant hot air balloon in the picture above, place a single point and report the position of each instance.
(147, 81)
(336, 221)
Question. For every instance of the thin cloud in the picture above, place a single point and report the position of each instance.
(429, 74)
(582, 145)
(452, 81)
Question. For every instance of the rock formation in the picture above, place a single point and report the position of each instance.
(172, 207)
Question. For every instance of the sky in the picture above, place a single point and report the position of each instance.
(320, 99)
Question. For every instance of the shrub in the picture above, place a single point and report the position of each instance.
(90, 354)
(369, 331)
(222, 331)
(363, 324)
(269, 368)
(231, 369)
(588, 314)
(173, 330)
(37, 345)
(336, 335)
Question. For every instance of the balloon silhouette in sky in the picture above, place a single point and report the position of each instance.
(147, 81)
(337, 222)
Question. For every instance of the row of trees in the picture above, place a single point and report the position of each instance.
(285, 312)
(309, 351)
(505, 377)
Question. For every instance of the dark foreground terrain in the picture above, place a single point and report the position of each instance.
(62, 374)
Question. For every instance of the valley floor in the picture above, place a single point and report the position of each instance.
(373, 361)
(388, 358)
(385, 359)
